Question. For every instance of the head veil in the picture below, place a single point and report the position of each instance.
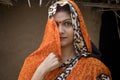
(82, 42)
(51, 42)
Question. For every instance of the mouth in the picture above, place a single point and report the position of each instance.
(62, 38)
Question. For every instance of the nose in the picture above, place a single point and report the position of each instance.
(61, 29)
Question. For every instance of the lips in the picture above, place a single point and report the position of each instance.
(63, 38)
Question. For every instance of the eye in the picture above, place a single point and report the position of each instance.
(67, 23)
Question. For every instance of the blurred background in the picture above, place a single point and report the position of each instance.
(22, 24)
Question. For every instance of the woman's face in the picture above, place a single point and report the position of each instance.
(64, 23)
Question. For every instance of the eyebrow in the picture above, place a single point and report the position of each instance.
(63, 20)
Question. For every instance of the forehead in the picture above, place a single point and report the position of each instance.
(62, 15)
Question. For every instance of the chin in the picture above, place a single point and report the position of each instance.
(63, 44)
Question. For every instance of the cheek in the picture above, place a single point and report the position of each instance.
(71, 34)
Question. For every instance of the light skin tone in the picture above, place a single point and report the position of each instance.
(64, 23)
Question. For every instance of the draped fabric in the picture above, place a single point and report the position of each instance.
(81, 40)
(87, 68)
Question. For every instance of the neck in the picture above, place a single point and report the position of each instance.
(67, 52)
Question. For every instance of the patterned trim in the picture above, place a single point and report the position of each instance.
(103, 77)
(68, 69)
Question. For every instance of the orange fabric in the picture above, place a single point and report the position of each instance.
(86, 68)
(51, 43)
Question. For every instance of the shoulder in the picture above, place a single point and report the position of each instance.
(94, 67)
(93, 62)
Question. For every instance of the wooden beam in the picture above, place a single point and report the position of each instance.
(100, 5)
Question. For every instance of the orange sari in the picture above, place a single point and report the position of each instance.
(86, 69)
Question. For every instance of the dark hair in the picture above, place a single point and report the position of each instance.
(63, 8)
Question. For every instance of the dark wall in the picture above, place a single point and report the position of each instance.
(21, 30)
(110, 41)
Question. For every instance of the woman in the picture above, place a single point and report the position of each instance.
(66, 52)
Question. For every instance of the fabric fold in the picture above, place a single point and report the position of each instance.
(50, 43)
